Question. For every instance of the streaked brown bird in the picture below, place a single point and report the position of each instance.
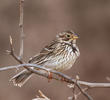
(59, 55)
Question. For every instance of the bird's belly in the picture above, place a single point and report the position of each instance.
(61, 63)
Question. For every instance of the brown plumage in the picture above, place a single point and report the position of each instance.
(59, 55)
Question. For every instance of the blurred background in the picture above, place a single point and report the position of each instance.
(43, 19)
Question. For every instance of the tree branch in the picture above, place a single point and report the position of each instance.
(11, 52)
(84, 92)
(41, 97)
(66, 78)
(21, 4)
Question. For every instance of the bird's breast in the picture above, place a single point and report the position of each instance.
(63, 61)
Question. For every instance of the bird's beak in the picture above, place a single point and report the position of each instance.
(75, 37)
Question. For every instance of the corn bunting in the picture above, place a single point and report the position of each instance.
(59, 55)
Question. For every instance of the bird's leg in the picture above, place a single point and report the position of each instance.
(49, 76)
(62, 79)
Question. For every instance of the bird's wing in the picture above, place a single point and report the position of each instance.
(42, 57)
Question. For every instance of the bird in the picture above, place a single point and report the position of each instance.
(60, 55)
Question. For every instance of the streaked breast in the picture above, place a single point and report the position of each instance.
(63, 60)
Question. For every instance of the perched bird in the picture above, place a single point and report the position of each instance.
(59, 55)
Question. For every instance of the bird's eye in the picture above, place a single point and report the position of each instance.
(68, 35)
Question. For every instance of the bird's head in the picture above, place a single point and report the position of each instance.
(67, 37)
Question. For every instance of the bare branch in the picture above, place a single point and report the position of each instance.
(74, 89)
(67, 78)
(21, 4)
(11, 52)
(11, 42)
(84, 92)
(79, 93)
(81, 90)
(42, 96)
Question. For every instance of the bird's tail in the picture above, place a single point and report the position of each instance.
(21, 78)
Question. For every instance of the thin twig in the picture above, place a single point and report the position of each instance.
(84, 92)
(74, 88)
(81, 90)
(21, 4)
(11, 52)
(79, 93)
(41, 96)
